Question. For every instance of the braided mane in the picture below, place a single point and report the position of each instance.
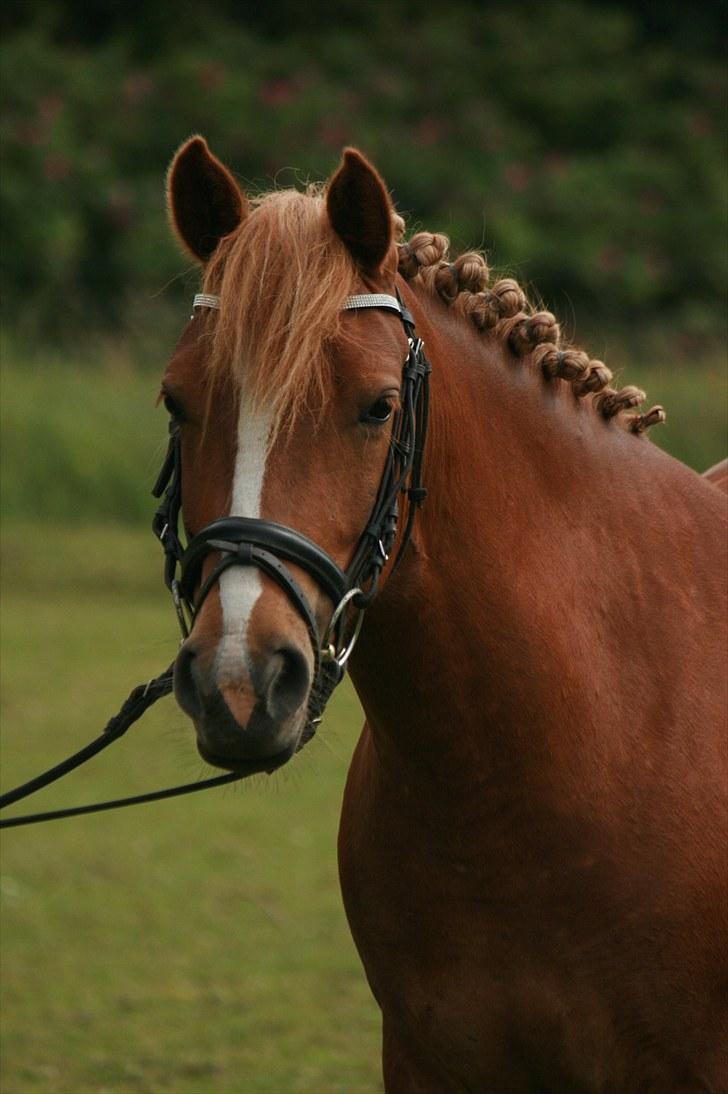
(504, 308)
(283, 275)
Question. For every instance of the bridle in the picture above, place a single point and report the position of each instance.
(247, 541)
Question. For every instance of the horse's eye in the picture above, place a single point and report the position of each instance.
(172, 407)
(379, 413)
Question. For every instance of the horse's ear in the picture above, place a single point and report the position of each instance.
(360, 210)
(204, 200)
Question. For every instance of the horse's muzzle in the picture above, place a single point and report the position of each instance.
(255, 715)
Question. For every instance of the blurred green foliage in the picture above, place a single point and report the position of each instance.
(581, 143)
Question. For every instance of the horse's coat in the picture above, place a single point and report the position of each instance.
(533, 838)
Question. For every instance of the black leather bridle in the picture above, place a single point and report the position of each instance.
(251, 541)
(245, 541)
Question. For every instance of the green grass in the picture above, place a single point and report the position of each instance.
(78, 442)
(188, 946)
(696, 401)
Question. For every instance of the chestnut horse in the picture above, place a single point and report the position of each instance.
(533, 838)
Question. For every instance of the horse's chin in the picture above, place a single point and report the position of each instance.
(260, 745)
(247, 766)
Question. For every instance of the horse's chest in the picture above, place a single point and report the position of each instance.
(424, 948)
(434, 972)
(503, 968)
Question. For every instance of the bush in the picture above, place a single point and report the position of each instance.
(580, 143)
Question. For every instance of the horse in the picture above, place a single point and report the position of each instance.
(532, 843)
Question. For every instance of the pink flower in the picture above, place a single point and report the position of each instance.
(276, 92)
(332, 134)
(49, 107)
(428, 132)
(137, 86)
(518, 176)
(610, 259)
(56, 167)
(212, 76)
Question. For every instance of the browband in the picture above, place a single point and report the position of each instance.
(205, 300)
(372, 300)
(352, 303)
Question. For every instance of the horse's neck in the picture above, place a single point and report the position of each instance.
(528, 557)
(460, 633)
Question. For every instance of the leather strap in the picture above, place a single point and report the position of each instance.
(245, 553)
(267, 535)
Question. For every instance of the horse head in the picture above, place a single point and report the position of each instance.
(284, 391)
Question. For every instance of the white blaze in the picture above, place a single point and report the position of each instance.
(240, 586)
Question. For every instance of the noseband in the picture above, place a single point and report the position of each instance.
(250, 541)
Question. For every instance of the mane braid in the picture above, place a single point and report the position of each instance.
(527, 330)
(282, 277)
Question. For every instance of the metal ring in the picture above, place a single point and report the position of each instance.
(328, 649)
(177, 600)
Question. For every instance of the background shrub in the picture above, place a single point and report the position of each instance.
(581, 143)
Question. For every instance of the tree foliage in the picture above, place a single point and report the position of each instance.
(581, 144)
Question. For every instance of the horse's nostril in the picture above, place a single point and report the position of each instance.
(278, 685)
(186, 687)
(289, 679)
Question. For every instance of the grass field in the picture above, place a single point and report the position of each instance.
(189, 946)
